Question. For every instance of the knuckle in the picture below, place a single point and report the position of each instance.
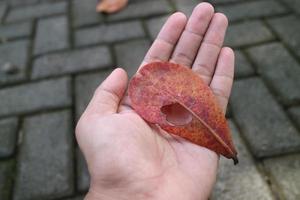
(220, 93)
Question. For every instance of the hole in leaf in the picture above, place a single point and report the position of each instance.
(176, 114)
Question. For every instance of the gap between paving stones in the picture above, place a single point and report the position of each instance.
(286, 46)
(257, 161)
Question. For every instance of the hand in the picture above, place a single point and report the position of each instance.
(127, 158)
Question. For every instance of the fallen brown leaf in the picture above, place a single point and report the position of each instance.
(111, 6)
(175, 98)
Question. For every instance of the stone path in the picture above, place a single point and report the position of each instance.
(54, 53)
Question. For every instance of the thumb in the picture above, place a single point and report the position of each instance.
(107, 96)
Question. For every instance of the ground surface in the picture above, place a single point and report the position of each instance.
(53, 54)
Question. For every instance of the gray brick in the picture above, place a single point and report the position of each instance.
(294, 4)
(288, 28)
(56, 30)
(17, 54)
(131, 60)
(253, 9)
(76, 198)
(262, 121)
(109, 33)
(6, 178)
(295, 113)
(154, 25)
(3, 8)
(8, 135)
(228, 113)
(242, 65)
(71, 62)
(224, 1)
(21, 2)
(45, 165)
(247, 33)
(186, 6)
(35, 96)
(83, 177)
(83, 13)
(41, 1)
(85, 85)
(242, 181)
(285, 171)
(142, 9)
(280, 69)
(35, 11)
(12, 31)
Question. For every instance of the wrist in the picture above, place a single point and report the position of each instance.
(92, 195)
(100, 193)
(162, 189)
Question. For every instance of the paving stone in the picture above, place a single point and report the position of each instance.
(50, 0)
(36, 96)
(228, 113)
(71, 62)
(6, 178)
(262, 121)
(8, 135)
(3, 8)
(142, 9)
(83, 13)
(22, 2)
(85, 85)
(288, 28)
(83, 177)
(286, 173)
(13, 31)
(253, 9)
(242, 181)
(242, 65)
(56, 29)
(294, 4)
(224, 1)
(131, 60)
(76, 198)
(45, 165)
(15, 54)
(247, 33)
(154, 25)
(295, 113)
(35, 11)
(186, 7)
(280, 69)
(109, 33)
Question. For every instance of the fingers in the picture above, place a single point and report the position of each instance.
(221, 83)
(164, 44)
(107, 96)
(190, 40)
(210, 48)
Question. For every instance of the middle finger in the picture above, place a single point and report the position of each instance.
(190, 40)
(209, 51)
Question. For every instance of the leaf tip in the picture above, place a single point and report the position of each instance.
(235, 160)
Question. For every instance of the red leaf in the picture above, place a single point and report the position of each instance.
(160, 88)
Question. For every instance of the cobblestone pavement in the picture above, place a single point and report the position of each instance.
(53, 54)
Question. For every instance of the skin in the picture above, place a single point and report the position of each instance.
(130, 159)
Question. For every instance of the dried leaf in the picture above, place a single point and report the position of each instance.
(175, 98)
(111, 6)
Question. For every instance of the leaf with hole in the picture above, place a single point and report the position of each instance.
(176, 99)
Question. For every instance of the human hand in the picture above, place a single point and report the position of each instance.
(128, 158)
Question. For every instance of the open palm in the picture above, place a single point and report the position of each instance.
(130, 159)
